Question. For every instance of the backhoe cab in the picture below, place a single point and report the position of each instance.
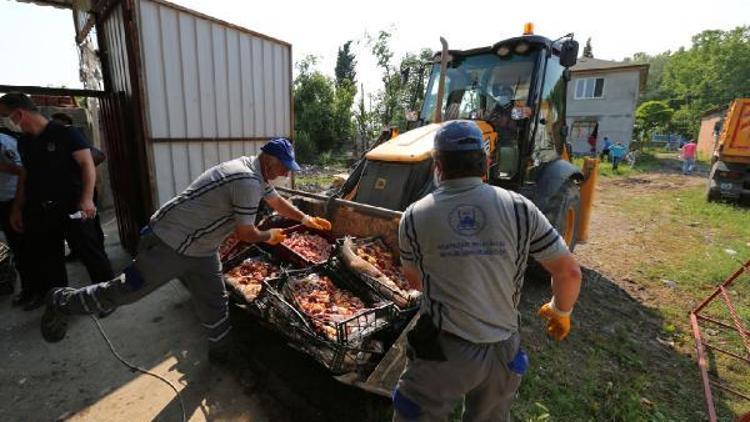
(515, 90)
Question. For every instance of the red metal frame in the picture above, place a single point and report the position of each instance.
(701, 345)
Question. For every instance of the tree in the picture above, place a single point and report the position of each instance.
(345, 65)
(651, 115)
(388, 98)
(314, 105)
(587, 49)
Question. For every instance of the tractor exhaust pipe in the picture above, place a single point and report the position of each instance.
(441, 82)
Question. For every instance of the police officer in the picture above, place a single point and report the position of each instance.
(466, 341)
(58, 181)
(182, 241)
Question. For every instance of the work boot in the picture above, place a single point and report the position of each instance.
(55, 321)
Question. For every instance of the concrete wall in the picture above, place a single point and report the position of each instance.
(615, 111)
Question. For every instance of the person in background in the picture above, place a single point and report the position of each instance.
(687, 154)
(605, 149)
(57, 182)
(10, 169)
(617, 153)
(99, 157)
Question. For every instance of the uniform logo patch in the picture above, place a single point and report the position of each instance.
(467, 220)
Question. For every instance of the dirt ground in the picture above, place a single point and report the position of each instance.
(78, 379)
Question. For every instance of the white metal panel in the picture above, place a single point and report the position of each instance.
(212, 83)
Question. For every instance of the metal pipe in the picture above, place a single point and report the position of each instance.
(717, 322)
(372, 210)
(703, 368)
(441, 81)
(727, 282)
(729, 390)
(726, 352)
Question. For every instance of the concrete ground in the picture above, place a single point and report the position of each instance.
(79, 379)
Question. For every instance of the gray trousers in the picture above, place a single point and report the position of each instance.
(156, 264)
(477, 373)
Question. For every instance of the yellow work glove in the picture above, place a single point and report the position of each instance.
(317, 223)
(276, 236)
(558, 322)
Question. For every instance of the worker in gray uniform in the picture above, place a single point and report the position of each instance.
(466, 246)
(182, 241)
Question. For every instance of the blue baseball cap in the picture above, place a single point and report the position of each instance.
(459, 135)
(282, 149)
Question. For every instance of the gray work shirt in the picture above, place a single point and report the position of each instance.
(470, 243)
(196, 221)
(8, 155)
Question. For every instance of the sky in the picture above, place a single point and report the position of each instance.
(39, 48)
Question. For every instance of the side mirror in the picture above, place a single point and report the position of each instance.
(569, 53)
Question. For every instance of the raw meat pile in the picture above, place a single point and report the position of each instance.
(248, 277)
(378, 255)
(311, 246)
(325, 303)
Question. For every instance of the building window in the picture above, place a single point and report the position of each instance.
(589, 88)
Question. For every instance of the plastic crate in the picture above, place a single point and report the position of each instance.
(353, 330)
(236, 294)
(283, 317)
(286, 254)
(404, 302)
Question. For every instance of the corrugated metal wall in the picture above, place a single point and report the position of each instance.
(214, 92)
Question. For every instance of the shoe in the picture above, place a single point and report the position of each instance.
(54, 321)
(104, 314)
(22, 298)
(35, 303)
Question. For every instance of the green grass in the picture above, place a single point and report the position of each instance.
(697, 245)
(647, 161)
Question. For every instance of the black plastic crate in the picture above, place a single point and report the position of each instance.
(235, 292)
(403, 301)
(282, 316)
(355, 329)
(285, 253)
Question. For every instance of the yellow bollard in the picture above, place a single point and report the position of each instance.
(590, 174)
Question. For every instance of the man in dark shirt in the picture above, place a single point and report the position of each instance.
(57, 182)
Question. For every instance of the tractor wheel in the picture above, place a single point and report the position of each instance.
(564, 212)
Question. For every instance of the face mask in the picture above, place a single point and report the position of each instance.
(7, 122)
(282, 181)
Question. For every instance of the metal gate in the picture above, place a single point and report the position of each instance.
(123, 119)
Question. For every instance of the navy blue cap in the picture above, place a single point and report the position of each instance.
(459, 135)
(282, 149)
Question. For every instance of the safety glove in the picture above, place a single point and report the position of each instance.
(317, 223)
(558, 322)
(276, 236)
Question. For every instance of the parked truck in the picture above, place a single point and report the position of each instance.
(729, 177)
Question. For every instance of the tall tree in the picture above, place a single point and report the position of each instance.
(652, 115)
(314, 98)
(345, 65)
(587, 52)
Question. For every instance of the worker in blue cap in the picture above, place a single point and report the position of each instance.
(182, 241)
(465, 246)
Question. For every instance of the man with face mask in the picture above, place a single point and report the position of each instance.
(182, 241)
(57, 181)
(465, 246)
